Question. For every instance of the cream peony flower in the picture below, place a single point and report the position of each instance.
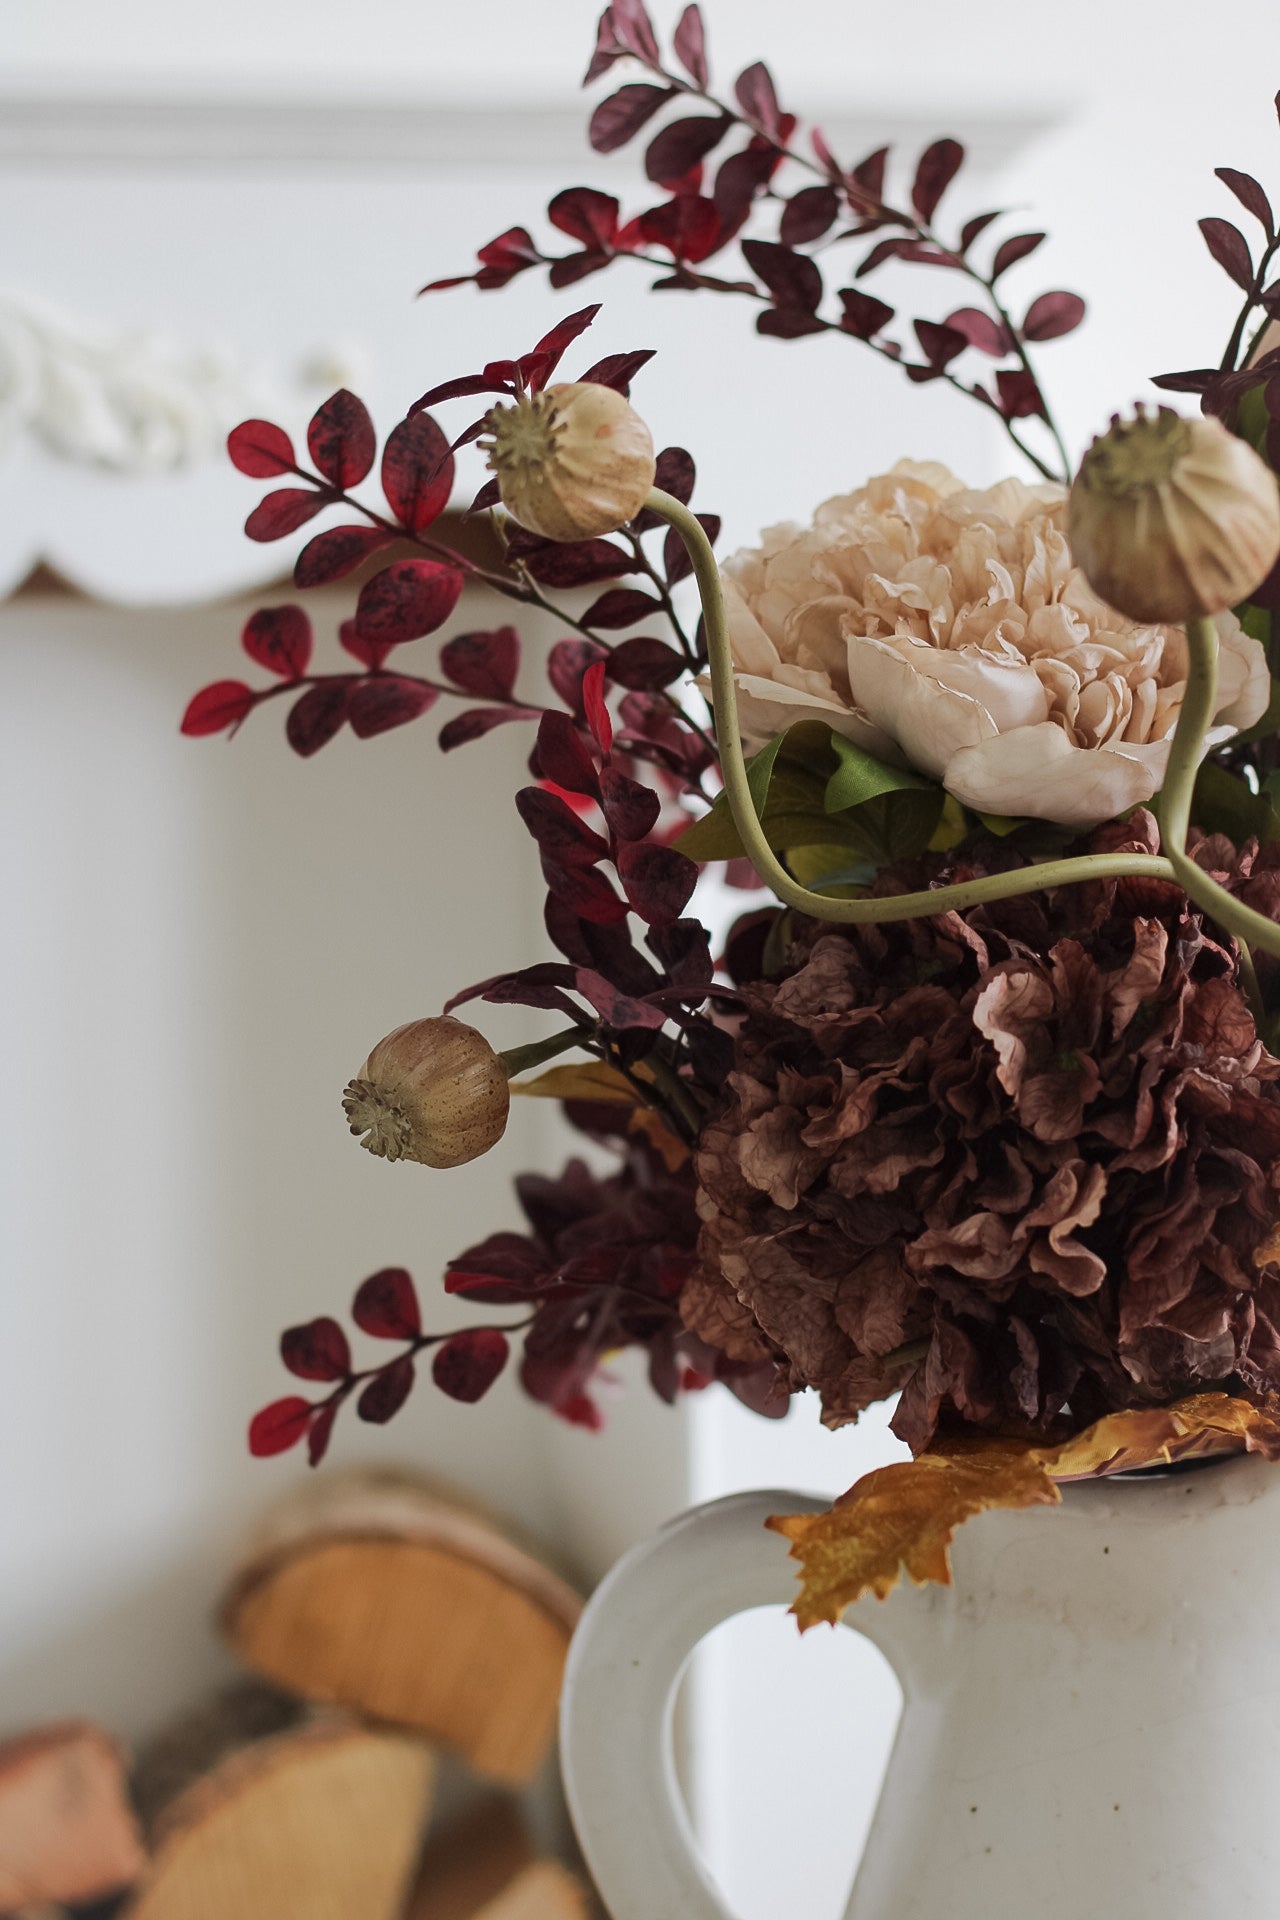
(949, 630)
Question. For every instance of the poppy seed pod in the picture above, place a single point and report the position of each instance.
(573, 461)
(1172, 519)
(433, 1091)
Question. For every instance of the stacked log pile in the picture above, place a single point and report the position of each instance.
(386, 1621)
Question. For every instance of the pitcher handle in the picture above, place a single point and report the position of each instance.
(630, 1649)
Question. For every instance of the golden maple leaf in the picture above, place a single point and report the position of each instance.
(902, 1518)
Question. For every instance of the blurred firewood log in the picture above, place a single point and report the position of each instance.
(378, 1592)
(482, 1868)
(256, 1809)
(67, 1830)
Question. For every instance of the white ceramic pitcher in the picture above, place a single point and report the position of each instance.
(1091, 1721)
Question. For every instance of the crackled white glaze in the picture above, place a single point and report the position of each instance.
(1090, 1719)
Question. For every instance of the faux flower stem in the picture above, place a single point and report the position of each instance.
(902, 906)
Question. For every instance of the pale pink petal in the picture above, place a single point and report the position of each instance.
(1037, 772)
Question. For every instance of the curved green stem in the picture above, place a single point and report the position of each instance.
(902, 906)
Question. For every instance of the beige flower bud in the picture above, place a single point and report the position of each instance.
(1173, 518)
(433, 1091)
(572, 462)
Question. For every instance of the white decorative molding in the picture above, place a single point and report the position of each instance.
(133, 402)
(144, 131)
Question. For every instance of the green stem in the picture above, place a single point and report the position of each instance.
(903, 906)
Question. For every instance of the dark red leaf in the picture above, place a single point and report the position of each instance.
(1053, 315)
(317, 716)
(341, 439)
(620, 607)
(630, 809)
(417, 472)
(537, 366)
(988, 335)
(618, 370)
(939, 165)
(675, 555)
(690, 45)
(586, 891)
(477, 721)
(538, 986)
(972, 229)
(567, 661)
(608, 48)
(337, 552)
(284, 511)
(619, 1009)
(864, 315)
(501, 260)
(620, 117)
(316, 1351)
(483, 663)
(408, 599)
(593, 705)
(467, 1365)
(559, 832)
(688, 226)
(793, 279)
(788, 323)
(215, 708)
(577, 266)
(757, 96)
(939, 344)
(683, 145)
(586, 214)
(320, 1433)
(571, 563)
(676, 474)
(562, 755)
(644, 664)
(1009, 252)
(1020, 397)
(387, 1392)
(261, 450)
(865, 184)
(1250, 195)
(656, 880)
(279, 639)
(1230, 249)
(488, 496)
(580, 1410)
(739, 179)
(634, 30)
(808, 215)
(916, 250)
(386, 1306)
(278, 1427)
(387, 701)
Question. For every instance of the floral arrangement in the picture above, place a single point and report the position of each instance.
(978, 1104)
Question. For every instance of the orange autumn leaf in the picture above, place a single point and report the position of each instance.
(901, 1519)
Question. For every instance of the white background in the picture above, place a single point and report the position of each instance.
(199, 940)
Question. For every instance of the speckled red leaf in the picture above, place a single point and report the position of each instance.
(284, 511)
(757, 96)
(939, 165)
(261, 450)
(593, 705)
(317, 1350)
(585, 214)
(644, 663)
(620, 117)
(559, 832)
(389, 700)
(483, 663)
(279, 639)
(1009, 252)
(656, 880)
(467, 1365)
(618, 370)
(864, 315)
(317, 716)
(981, 330)
(630, 809)
(808, 215)
(337, 552)
(408, 599)
(682, 145)
(341, 439)
(690, 43)
(1053, 315)
(585, 890)
(561, 754)
(386, 1306)
(417, 472)
(621, 607)
(387, 1392)
(477, 721)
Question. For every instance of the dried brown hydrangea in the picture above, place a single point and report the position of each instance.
(1019, 1164)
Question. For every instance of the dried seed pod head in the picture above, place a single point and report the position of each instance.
(433, 1091)
(1172, 518)
(572, 461)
